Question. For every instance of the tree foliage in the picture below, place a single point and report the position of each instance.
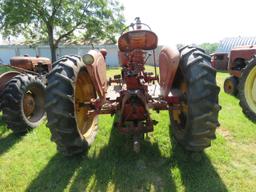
(60, 20)
(209, 47)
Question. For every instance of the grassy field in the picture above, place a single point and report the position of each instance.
(4, 69)
(31, 162)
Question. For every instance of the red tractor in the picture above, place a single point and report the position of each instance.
(219, 61)
(78, 91)
(242, 82)
(22, 92)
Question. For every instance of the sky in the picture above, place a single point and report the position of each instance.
(194, 21)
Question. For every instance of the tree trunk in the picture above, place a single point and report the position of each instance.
(53, 47)
(53, 52)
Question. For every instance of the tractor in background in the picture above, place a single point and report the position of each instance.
(242, 82)
(22, 92)
(219, 61)
(78, 92)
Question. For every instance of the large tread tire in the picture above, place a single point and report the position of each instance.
(247, 100)
(12, 103)
(200, 120)
(60, 107)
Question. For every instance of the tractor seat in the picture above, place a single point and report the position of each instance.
(139, 39)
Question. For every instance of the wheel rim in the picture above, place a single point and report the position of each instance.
(228, 86)
(28, 104)
(33, 103)
(84, 92)
(179, 117)
(250, 89)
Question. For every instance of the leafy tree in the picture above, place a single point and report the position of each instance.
(60, 20)
(209, 47)
(180, 45)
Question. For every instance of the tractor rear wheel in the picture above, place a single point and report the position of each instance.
(230, 85)
(247, 90)
(23, 103)
(194, 125)
(69, 88)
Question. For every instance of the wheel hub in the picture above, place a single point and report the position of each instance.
(229, 86)
(28, 104)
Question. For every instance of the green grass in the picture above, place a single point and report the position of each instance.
(117, 70)
(31, 162)
(4, 69)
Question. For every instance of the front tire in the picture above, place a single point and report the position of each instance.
(230, 85)
(247, 90)
(69, 86)
(195, 123)
(23, 103)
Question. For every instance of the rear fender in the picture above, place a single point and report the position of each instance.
(5, 77)
(168, 64)
(98, 72)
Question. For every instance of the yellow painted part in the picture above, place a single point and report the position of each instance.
(184, 108)
(254, 92)
(176, 115)
(84, 92)
(250, 89)
(184, 87)
(228, 86)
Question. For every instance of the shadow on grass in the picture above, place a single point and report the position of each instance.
(2, 126)
(56, 175)
(6, 142)
(117, 168)
(196, 175)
